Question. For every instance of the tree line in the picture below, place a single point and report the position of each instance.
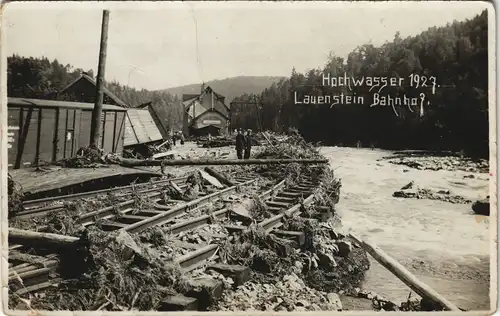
(40, 78)
(454, 56)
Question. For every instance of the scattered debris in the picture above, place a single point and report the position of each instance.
(423, 161)
(145, 151)
(410, 191)
(16, 195)
(86, 157)
(289, 293)
(122, 272)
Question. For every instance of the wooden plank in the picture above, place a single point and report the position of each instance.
(130, 134)
(152, 130)
(76, 132)
(38, 136)
(56, 177)
(29, 146)
(139, 128)
(102, 135)
(212, 180)
(109, 131)
(120, 135)
(55, 141)
(404, 275)
(47, 133)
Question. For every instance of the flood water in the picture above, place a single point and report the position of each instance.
(443, 244)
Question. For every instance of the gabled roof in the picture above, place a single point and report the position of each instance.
(217, 111)
(198, 109)
(108, 93)
(144, 105)
(24, 102)
(188, 98)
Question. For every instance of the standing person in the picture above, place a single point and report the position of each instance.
(248, 144)
(173, 137)
(240, 144)
(181, 136)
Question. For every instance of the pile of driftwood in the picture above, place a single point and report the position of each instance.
(224, 141)
(145, 151)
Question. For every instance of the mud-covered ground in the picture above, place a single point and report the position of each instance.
(443, 243)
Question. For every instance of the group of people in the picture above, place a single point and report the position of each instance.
(243, 143)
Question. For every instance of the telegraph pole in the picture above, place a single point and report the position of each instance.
(96, 113)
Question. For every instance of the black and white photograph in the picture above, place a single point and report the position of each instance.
(249, 156)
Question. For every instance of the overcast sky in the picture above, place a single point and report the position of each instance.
(161, 45)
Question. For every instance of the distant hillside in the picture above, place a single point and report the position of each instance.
(230, 87)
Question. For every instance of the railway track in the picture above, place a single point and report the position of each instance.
(32, 274)
(43, 206)
(284, 202)
(182, 218)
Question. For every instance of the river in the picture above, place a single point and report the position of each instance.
(443, 244)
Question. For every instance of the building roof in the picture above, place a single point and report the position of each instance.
(140, 128)
(105, 90)
(186, 97)
(189, 98)
(60, 104)
(199, 109)
(144, 105)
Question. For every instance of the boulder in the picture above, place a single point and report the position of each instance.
(327, 261)
(334, 301)
(345, 248)
(128, 247)
(482, 207)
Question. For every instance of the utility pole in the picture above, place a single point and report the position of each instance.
(96, 113)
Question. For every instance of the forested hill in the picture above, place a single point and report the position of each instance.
(454, 115)
(229, 87)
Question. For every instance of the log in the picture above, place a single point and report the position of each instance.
(404, 275)
(29, 238)
(191, 162)
(219, 177)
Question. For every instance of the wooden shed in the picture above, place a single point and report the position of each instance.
(49, 130)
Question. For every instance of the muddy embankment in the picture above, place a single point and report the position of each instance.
(437, 236)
